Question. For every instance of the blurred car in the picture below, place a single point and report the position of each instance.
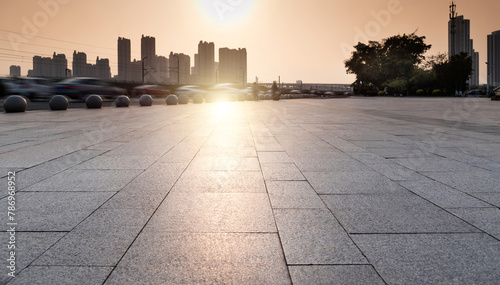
(227, 92)
(81, 87)
(476, 92)
(8, 85)
(497, 91)
(153, 90)
(295, 92)
(33, 88)
(189, 90)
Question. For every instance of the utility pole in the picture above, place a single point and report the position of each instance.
(488, 78)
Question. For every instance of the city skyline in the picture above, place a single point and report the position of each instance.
(285, 38)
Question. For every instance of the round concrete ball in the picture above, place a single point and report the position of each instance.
(146, 100)
(58, 103)
(262, 97)
(269, 97)
(15, 104)
(172, 100)
(182, 99)
(94, 102)
(122, 101)
(250, 97)
(198, 99)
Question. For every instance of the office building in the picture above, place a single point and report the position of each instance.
(55, 67)
(206, 63)
(148, 55)
(124, 59)
(180, 68)
(494, 59)
(459, 41)
(79, 64)
(232, 66)
(15, 70)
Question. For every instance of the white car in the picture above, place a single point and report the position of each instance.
(189, 90)
(33, 88)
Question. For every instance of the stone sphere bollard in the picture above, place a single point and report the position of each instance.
(269, 97)
(198, 99)
(122, 101)
(146, 100)
(58, 103)
(182, 99)
(250, 97)
(15, 104)
(210, 98)
(172, 100)
(93, 102)
(262, 97)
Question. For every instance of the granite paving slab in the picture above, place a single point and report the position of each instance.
(433, 259)
(392, 213)
(335, 274)
(194, 258)
(314, 236)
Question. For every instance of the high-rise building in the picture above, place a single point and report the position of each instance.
(55, 67)
(161, 70)
(206, 60)
(15, 70)
(459, 41)
(124, 59)
(102, 69)
(494, 59)
(232, 66)
(148, 55)
(79, 64)
(180, 68)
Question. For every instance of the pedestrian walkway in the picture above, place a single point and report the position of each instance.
(306, 191)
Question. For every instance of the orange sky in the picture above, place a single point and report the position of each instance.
(299, 40)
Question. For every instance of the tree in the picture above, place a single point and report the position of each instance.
(454, 73)
(389, 63)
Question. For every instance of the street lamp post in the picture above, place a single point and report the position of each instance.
(488, 77)
(143, 73)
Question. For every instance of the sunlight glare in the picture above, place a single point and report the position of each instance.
(226, 11)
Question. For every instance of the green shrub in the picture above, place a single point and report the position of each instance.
(436, 92)
(381, 93)
(420, 92)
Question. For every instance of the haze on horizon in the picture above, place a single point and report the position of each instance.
(297, 40)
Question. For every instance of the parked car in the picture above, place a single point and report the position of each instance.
(497, 91)
(153, 90)
(33, 88)
(80, 88)
(8, 86)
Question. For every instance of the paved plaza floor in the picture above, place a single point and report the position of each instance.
(306, 191)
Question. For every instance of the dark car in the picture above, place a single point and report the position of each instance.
(153, 90)
(81, 87)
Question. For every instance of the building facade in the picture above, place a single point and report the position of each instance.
(206, 63)
(232, 66)
(124, 59)
(494, 59)
(148, 55)
(55, 67)
(15, 70)
(180, 68)
(459, 41)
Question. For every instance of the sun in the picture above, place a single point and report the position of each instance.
(226, 11)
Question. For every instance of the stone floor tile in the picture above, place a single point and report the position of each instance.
(394, 213)
(433, 259)
(335, 274)
(209, 258)
(314, 236)
(293, 195)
